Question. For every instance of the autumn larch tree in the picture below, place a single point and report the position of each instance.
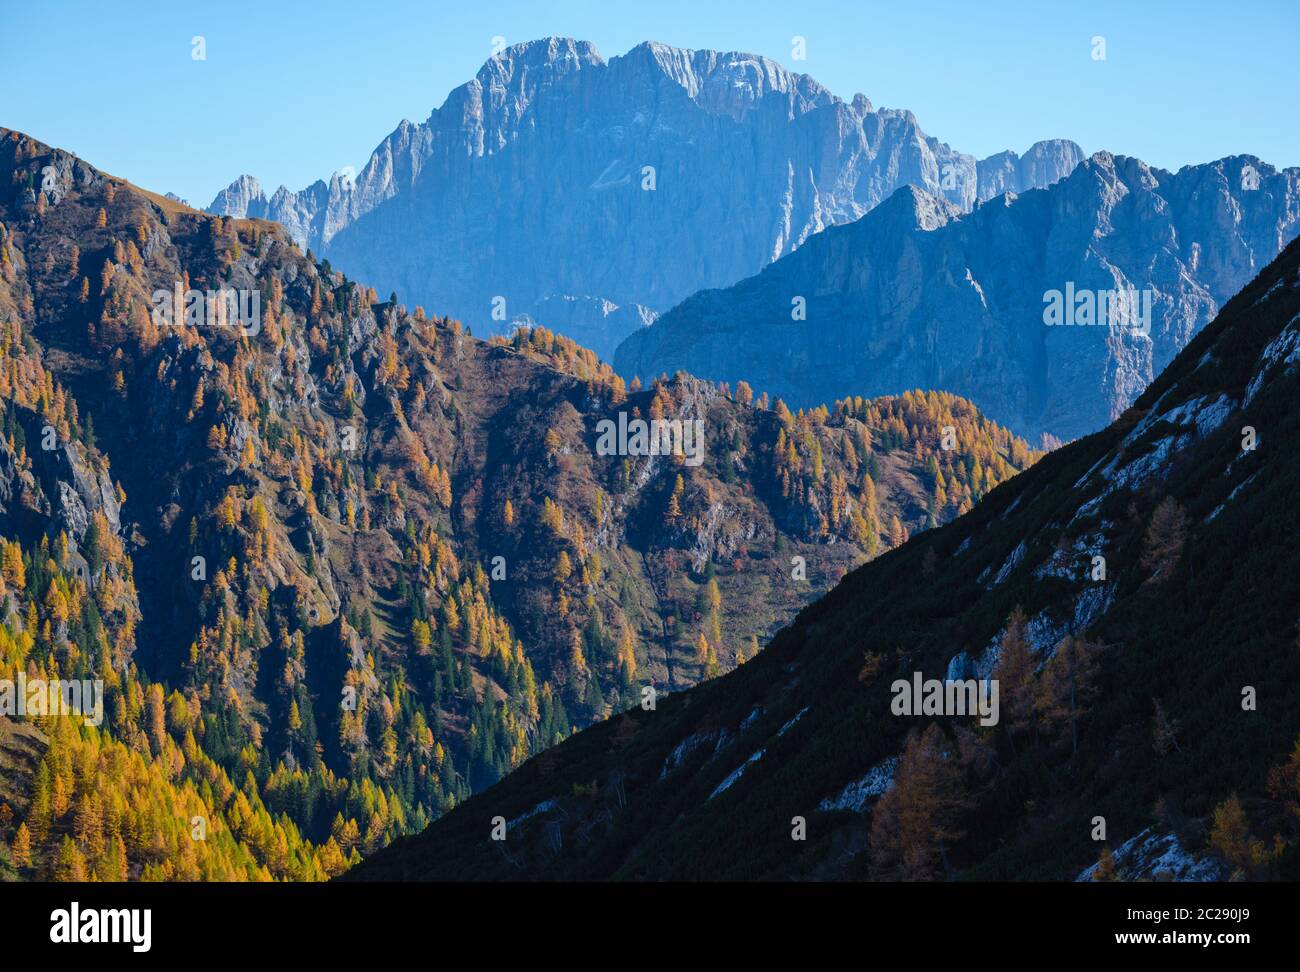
(1284, 786)
(1105, 867)
(916, 820)
(1163, 544)
(1230, 836)
(22, 847)
(897, 535)
(1164, 731)
(1015, 674)
(701, 648)
(1065, 686)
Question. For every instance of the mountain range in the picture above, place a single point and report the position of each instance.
(657, 207)
(588, 194)
(340, 564)
(919, 294)
(370, 596)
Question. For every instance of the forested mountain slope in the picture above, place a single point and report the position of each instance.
(339, 564)
(1135, 594)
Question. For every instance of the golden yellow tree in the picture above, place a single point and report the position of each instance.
(1015, 673)
(22, 847)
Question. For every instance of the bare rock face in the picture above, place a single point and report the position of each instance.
(555, 175)
(242, 198)
(917, 294)
(1043, 164)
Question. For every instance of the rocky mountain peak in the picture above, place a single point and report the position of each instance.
(522, 69)
(667, 171)
(729, 82)
(1042, 164)
(241, 196)
(917, 208)
(918, 294)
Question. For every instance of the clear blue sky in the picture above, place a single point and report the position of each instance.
(292, 91)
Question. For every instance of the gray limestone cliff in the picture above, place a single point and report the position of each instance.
(556, 180)
(917, 294)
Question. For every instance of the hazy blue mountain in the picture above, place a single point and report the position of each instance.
(917, 294)
(531, 183)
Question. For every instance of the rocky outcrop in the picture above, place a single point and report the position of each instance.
(917, 294)
(556, 176)
(1152, 856)
(55, 485)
